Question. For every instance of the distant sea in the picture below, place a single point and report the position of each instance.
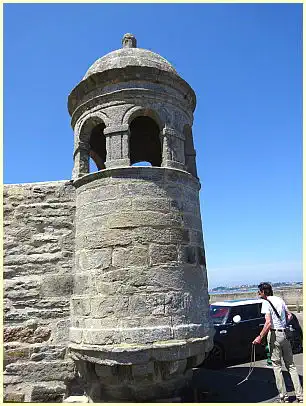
(247, 290)
(222, 292)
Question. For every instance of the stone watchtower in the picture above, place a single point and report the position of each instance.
(139, 309)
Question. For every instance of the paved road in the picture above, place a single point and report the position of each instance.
(216, 386)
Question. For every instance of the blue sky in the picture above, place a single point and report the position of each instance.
(244, 62)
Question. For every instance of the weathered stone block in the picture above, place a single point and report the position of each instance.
(14, 397)
(47, 394)
(155, 303)
(191, 208)
(143, 370)
(33, 258)
(138, 305)
(32, 323)
(153, 204)
(174, 191)
(44, 238)
(57, 285)
(80, 306)
(103, 207)
(48, 353)
(84, 282)
(146, 335)
(108, 288)
(50, 313)
(174, 235)
(11, 379)
(75, 335)
(175, 302)
(171, 352)
(26, 334)
(134, 219)
(94, 259)
(132, 256)
(177, 367)
(42, 371)
(100, 324)
(18, 353)
(105, 306)
(60, 331)
(132, 321)
(106, 371)
(188, 254)
(143, 189)
(193, 222)
(95, 223)
(161, 254)
(26, 288)
(189, 331)
(78, 321)
(107, 238)
(201, 255)
(196, 237)
(101, 337)
(107, 192)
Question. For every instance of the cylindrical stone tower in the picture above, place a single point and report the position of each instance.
(140, 311)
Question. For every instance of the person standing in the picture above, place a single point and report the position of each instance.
(277, 315)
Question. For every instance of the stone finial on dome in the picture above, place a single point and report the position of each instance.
(129, 41)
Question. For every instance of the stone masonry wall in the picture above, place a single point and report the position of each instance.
(38, 255)
(140, 259)
(139, 311)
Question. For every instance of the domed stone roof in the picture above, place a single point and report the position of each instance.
(129, 55)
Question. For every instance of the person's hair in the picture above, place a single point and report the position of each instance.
(266, 288)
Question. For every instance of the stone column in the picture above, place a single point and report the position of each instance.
(173, 149)
(191, 163)
(117, 146)
(81, 160)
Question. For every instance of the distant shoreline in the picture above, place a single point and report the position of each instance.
(249, 290)
(292, 295)
(234, 291)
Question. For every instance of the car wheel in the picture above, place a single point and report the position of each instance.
(216, 357)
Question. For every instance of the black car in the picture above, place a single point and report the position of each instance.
(237, 323)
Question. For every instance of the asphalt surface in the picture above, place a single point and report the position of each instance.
(220, 386)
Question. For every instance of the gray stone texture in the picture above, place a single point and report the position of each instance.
(38, 252)
(124, 57)
(145, 280)
(105, 275)
(125, 84)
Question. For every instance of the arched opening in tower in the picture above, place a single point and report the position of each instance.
(97, 144)
(144, 141)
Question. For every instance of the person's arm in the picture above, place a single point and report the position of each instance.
(265, 329)
(288, 315)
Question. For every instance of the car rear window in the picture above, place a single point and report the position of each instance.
(219, 314)
(249, 312)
